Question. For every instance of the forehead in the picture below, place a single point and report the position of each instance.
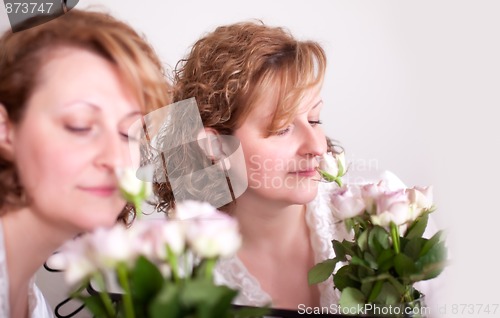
(72, 64)
(274, 107)
(73, 73)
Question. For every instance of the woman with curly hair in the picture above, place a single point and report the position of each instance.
(69, 90)
(262, 86)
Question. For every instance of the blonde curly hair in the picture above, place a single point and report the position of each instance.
(228, 70)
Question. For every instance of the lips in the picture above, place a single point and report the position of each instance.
(101, 191)
(306, 172)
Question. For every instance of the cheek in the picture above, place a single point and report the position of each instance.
(265, 161)
(49, 167)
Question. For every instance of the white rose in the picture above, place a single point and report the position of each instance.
(173, 234)
(329, 164)
(333, 164)
(370, 192)
(192, 209)
(112, 246)
(74, 259)
(392, 206)
(421, 197)
(346, 202)
(213, 235)
(131, 185)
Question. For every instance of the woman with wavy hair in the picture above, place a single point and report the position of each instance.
(69, 90)
(262, 86)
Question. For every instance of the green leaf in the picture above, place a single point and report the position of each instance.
(349, 224)
(363, 272)
(353, 299)
(199, 291)
(95, 305)
(145, 280)
(167, 301)
(359, 261)
(377, 288)
(345, 277)
(417, 228)
(385, 260)
(207, 299)
(370, 260)
(429, 244)
(366, 287)
(349, 247)
(433, 262)
(340, 251)
(222, 306)
(404, 265)
(429, 271)
(378, 240)
(321, 271)
(388, 294)
(341, 167)
(413, 247)
(325, 175)
(362, 241)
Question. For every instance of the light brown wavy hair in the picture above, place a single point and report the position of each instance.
(23, 55)
(228, 70)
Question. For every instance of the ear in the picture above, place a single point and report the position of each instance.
(210, 142)
(6, 150)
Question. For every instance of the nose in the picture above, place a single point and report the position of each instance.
(113, 151)
(313, 141)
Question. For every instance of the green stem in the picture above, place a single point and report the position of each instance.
(408, 295)
(138, 207)
(106, 299)
(209, 268)
(127, 296)
(338, 181)
(174, 266)
(395, 237)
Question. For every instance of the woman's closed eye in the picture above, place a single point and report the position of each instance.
(283, 131)
(129, 138)
(77, 129)
(315, 122)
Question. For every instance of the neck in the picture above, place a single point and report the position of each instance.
(268, 223)
(29, 241)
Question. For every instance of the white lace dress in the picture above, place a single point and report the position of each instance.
(322, 227)
(38, 307)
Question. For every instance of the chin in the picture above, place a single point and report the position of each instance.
(106, 218)
(303, 196)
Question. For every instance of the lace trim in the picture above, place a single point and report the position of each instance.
(323, 228)
(233, 273)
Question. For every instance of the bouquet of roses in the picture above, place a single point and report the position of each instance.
(388, 252)
(155, 268)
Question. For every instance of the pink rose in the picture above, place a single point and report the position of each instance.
(392, 206)
(421, 197)
(346, 202)
(370, 192)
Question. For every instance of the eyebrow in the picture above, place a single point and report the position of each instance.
(82, 102)
(134, 113)
(99, 108)
(317, 104)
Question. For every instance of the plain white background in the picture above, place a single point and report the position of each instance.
(412, 87)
